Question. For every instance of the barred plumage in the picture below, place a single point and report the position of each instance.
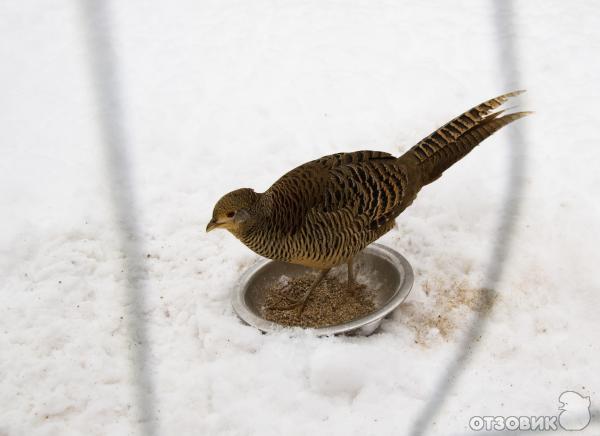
(324, 212)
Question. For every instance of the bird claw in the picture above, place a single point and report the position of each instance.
(275, 306)
(294, 303)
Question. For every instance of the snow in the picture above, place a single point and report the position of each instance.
(216, 95)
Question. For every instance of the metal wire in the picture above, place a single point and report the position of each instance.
(508, 65)
(111, 119)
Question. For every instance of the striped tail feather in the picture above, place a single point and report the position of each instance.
(451, 142)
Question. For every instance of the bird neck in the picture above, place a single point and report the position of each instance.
(250, 232)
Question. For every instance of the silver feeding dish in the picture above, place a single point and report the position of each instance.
(384, 270)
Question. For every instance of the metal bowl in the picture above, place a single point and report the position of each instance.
(386, 271)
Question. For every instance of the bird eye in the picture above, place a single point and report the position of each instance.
(230, 214)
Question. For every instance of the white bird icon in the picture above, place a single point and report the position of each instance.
(575, 411)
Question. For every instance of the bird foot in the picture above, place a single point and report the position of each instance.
(300, 302)
(354, 288)
(276, 306)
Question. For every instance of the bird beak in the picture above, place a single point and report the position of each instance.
(211, 225)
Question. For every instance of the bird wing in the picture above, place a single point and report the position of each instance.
(365, 186)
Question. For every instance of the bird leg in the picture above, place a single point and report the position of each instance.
(351, 281)
(302, 300)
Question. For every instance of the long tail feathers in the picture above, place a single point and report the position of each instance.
(451, 142)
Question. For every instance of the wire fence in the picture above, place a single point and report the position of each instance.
(112, 122)
(508, 64)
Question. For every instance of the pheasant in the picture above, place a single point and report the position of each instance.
(324, 212)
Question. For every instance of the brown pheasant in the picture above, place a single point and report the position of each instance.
(322, 213)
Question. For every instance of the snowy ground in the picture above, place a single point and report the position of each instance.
(216, 95)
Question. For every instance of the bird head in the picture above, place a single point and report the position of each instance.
(571, 401)
(233, 210)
